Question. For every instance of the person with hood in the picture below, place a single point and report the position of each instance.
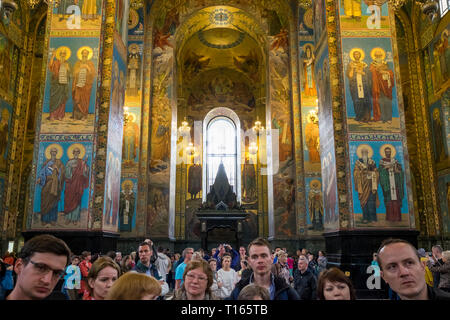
(163, 264)
(260, 260)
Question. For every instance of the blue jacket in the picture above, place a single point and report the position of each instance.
(234, 259)
(6, 283)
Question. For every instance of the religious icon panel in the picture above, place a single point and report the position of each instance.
(61, 198)
(70, 91)
(380, 196)
(370, 87)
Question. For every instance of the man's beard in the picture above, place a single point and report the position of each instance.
(365, 159)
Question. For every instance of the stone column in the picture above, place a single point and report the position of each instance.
(76, 169)
(365, 162)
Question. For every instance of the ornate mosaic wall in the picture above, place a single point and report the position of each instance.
(374, 117)
(310, 121)
(277, 27)
(131, 147)
(436, 59)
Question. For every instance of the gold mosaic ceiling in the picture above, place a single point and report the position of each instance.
(221, 37)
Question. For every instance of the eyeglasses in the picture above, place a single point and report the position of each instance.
(199, 278)
(42, 268)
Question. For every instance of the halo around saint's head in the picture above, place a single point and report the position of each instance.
(361, 51)
(319, 184)
(312, 113)
(364, 146)
(378, 50)
(58, 148)
(60, 49)
(133, 48)
(80, 147)
(127, 183)
(89, 49)
(131, 117)
(310, 46)
(393, 150)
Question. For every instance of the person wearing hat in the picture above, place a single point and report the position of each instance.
(428, 274)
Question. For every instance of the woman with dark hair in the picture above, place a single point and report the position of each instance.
(103, 274)
(197, 282)
(333, 284)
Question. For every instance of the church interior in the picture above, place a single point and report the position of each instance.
(320, 124)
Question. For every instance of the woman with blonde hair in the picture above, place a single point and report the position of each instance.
(197, 282)
(134, 286)
(103, 273)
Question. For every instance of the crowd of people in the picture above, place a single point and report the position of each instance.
(45, 268)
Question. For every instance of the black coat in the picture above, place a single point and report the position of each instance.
(283, 291)
(305, 284)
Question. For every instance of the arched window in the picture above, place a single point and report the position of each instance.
(221, 148)
(222, 144)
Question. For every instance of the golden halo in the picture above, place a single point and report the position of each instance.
(127, 182)
(134, 46)
(131, 117)
(58, 52)
(79, 146)
(362, 146)
(133, 19)
(310, 46)
(393, 150)
(57, 147)
(361, 51)
(91, 52)
(310, 114)
(372, 53)
(315, 180)
(308, 18)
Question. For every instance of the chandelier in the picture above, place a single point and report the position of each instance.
(185, 129)
(253, 148)
(258, 128)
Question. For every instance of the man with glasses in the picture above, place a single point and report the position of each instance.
(39, 267)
